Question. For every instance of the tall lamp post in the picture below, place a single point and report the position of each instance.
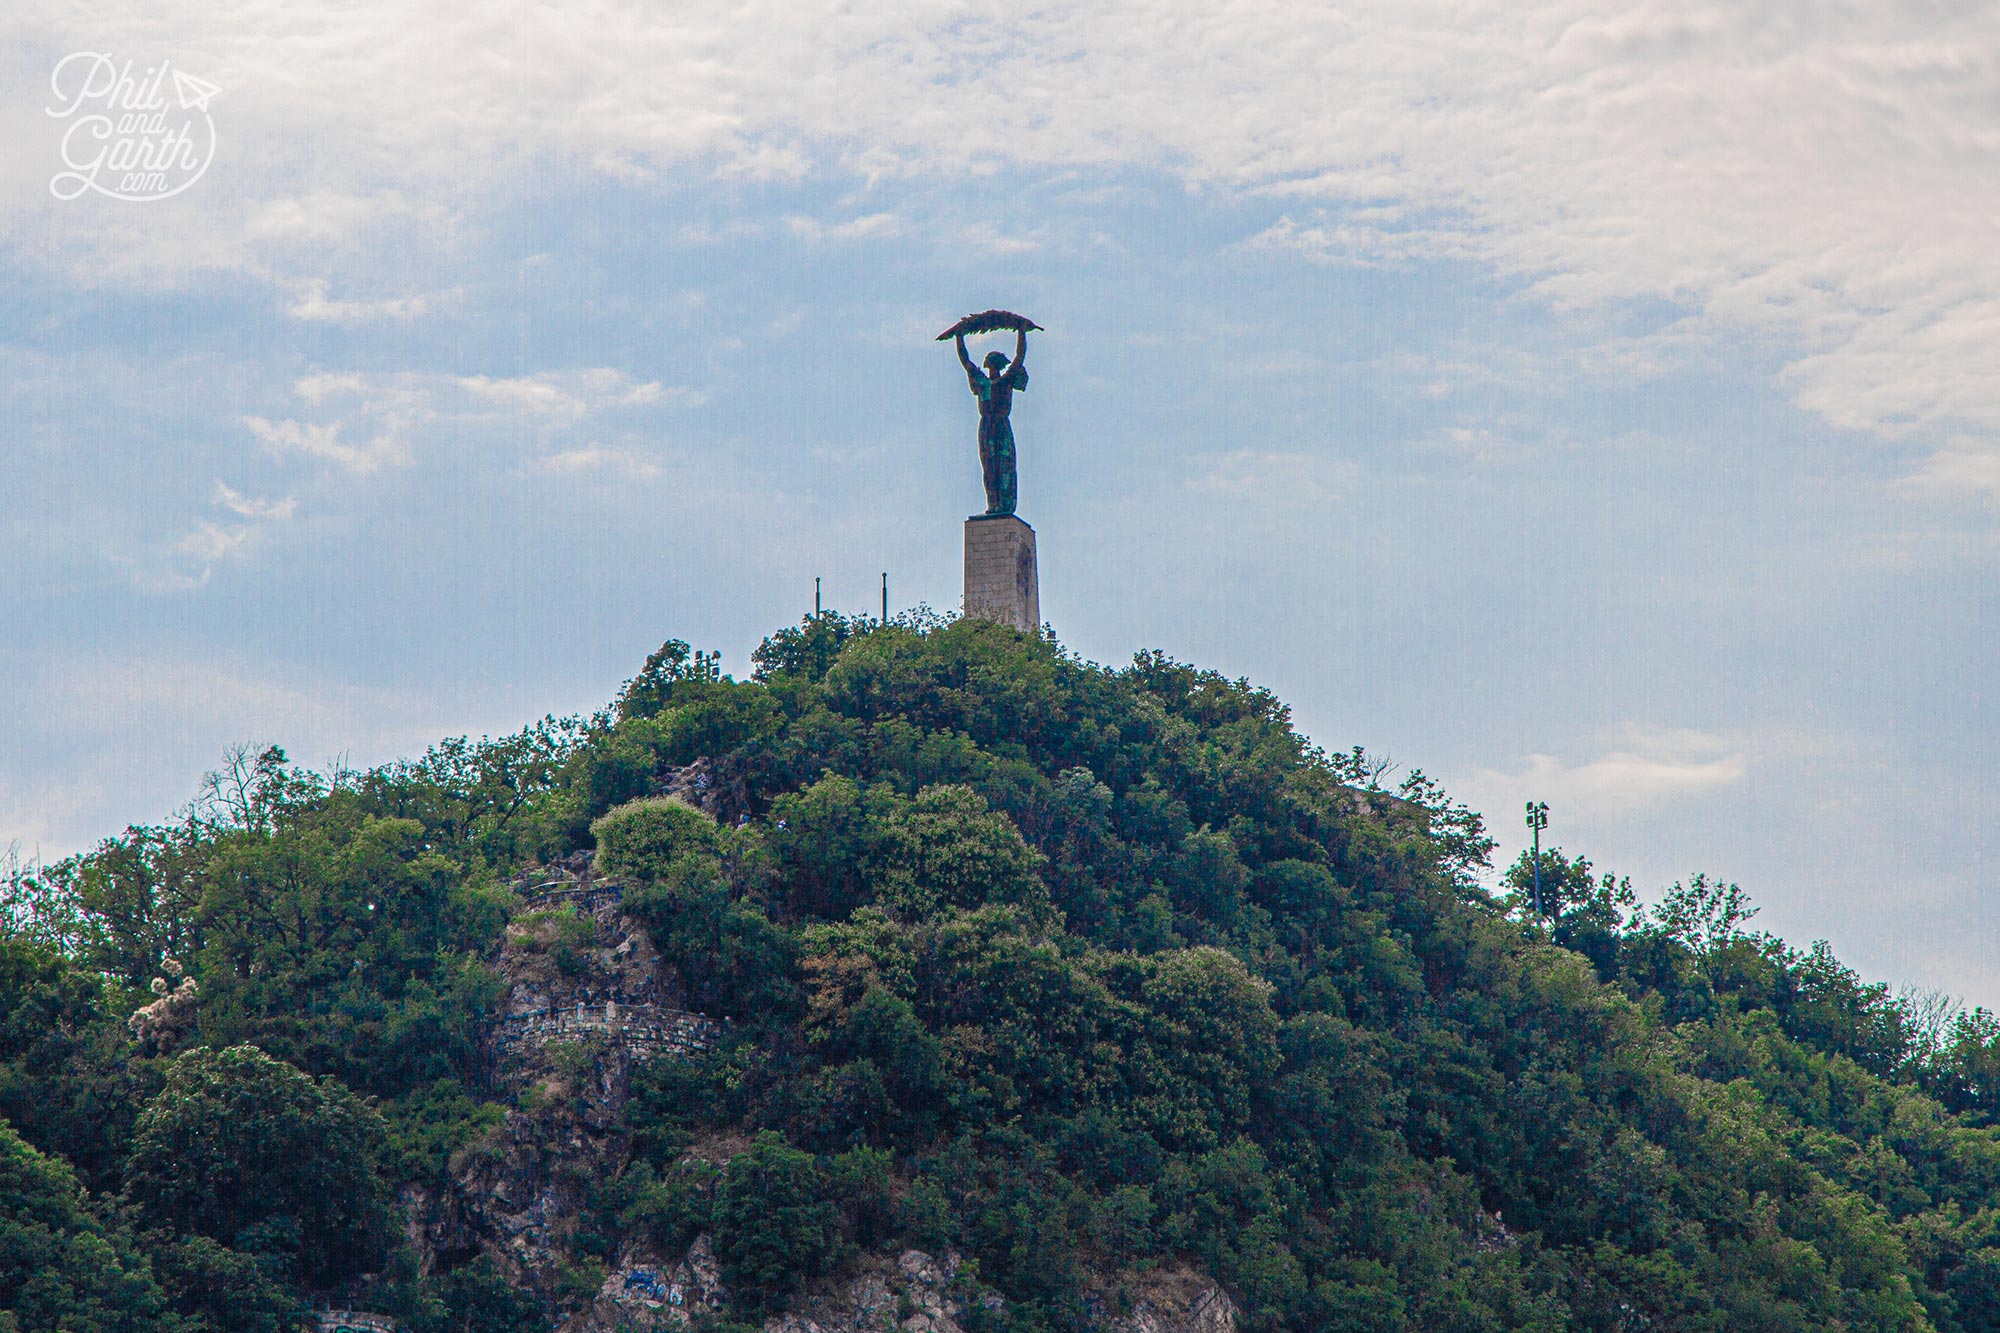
(1538, 819)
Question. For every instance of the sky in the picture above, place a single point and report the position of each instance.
(1581, 402)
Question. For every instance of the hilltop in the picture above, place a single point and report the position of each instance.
(934, 978)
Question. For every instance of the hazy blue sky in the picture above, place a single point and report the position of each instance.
(1584, 402)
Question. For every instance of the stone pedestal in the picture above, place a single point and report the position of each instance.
(1001, 582)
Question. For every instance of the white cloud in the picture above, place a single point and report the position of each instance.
(764, 160)
(312, 302)
(238, 503)
(1833, 185)
(1272, 476)
(1963, 467)
(571, 394)
(322, 440)
(985, 238)
(1447, 376)
(1475, 444)
(1648, 767)
(528, 393)
(316, 389)
(393, 412)
(319, 217)
(873, 226)
(211, 541)
(1365, 245)
(597, 459)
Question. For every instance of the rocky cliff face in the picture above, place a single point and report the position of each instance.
(587, 1002)
(647, 1291)
(577, 983)
(1169, 1301)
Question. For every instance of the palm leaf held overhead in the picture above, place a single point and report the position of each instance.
(990, 321)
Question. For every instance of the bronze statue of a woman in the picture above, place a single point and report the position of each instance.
(994, 386)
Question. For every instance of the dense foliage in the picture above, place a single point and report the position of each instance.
(1081, 972)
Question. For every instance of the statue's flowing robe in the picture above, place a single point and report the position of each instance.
(996, 433)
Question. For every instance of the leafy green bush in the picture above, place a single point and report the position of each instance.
(640, 841)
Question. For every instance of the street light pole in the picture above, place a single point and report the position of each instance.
(1538, 819)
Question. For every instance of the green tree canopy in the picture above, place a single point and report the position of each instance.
(60, 1267)
(250, 1152)
(776, 1224)
(1101, 977)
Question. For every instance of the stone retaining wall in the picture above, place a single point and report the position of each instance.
(350, 1321)
(583, 897)
(641, 1028)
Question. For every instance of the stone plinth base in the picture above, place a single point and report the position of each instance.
(1001, 582)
